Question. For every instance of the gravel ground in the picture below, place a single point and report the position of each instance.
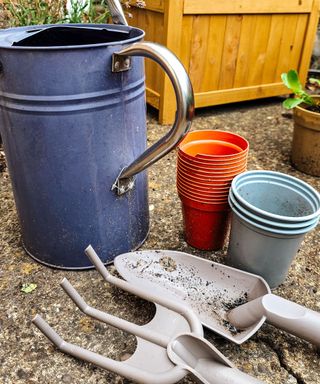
(271, 355)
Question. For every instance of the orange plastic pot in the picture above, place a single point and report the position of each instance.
(205, 227)
(209, 147)
(212, 170)
(211, 134)
(203, 175)
(208, 158)
(203, 188)
(212, 207)
(217, 135)
(218, 200)
(209, 196)
(210, 180)
(213, 163)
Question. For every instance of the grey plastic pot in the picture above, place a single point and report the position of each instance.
(276, 196)
(270, 224)
(257, 249)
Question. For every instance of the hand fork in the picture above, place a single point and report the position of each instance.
(169, 347)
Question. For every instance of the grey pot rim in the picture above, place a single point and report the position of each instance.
(267, 231)
(273, 223)
(249, 174)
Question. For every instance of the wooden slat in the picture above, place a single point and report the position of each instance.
(214, 52)
(155, 23)
(243, 64)
(205, 99)
(230, 51)
(258, 50)
(246, 6)
(186, 41)
(299, 41)
(151, 5)
(153, 98)
(172, 39)
(198, 54)
(152, 23)
(286, 46)
(273, 49)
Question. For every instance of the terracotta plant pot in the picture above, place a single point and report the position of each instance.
(305, 153)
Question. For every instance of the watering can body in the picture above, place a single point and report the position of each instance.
(69, 125)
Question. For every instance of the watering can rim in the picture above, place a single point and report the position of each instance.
(8, 35)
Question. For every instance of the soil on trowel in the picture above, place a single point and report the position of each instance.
(168, 264)
(210, 298)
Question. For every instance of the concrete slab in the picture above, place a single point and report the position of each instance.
(271, 355)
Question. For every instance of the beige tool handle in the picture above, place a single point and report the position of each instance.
(284, 314)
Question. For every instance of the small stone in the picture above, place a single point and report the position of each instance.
(125, 356)
(66, 378)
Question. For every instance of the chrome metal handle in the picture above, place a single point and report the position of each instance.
(184, 114)
(116, 12)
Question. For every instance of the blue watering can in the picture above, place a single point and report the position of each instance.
(73, 125)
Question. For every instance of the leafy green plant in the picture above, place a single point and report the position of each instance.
(76, 12)
(291, 81)
(36, 12)
(88, 12)
(33, 12)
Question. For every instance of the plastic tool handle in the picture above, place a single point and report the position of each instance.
(221, 374)
(205, 362)
(282, 313)
(185, 104)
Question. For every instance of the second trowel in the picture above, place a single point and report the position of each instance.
(231, 302)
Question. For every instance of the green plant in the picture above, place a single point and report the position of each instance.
(37, 12)
(32, 12)
(76, 12)
(291, 81)
(88, 12)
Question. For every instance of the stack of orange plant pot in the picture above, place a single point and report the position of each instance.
(208, 160)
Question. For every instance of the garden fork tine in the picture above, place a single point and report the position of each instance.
(177, 351)
(120, 368)
(175, 306)
(146, 334)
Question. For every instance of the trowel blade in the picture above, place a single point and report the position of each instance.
(210, 289)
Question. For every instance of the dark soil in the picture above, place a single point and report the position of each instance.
(314, 108)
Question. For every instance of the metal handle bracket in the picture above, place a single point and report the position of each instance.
(120, 63)
(122, 186)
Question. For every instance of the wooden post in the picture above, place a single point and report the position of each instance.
(173, 13)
